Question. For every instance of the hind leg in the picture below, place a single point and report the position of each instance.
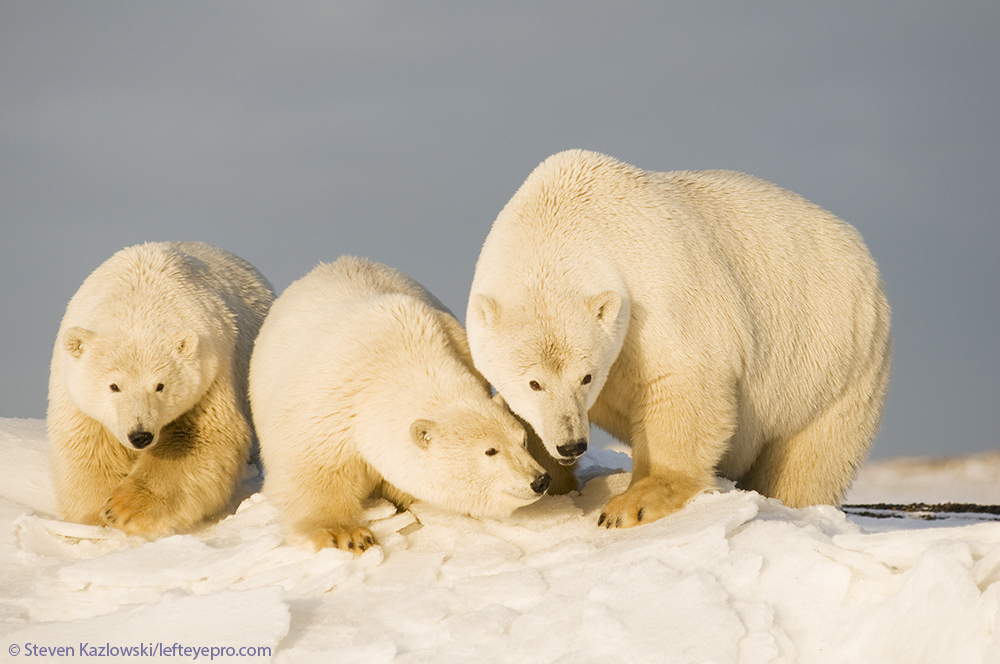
(817, 465)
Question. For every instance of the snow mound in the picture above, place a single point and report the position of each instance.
(24, 465)
(734, 577)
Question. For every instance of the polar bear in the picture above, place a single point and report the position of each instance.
(148, 418)
(714, 321)
(361, 382)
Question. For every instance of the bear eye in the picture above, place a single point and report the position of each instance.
(113, 387)
(534, 385)
(586, 379)
(159, 387)
(491, 452)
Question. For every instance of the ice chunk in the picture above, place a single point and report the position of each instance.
(936, 615)
(68, 541)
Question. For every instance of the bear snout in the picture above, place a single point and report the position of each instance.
(571, 450)
(541, 483)
(140, 439)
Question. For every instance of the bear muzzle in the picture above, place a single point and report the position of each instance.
(570, 451)
(541, 483)
(140, 439)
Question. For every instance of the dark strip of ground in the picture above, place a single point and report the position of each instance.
(925, 511)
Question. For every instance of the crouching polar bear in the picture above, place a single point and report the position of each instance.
(712, 320)
(148, 419)
(361, 382)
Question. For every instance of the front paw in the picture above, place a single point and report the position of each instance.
(647, 500)
(136, 511)
(356, 539)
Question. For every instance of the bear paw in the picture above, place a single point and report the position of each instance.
(647, 500)
(136, 512)
(356, 540)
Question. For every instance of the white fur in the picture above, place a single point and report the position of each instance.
(361, 380)
(148, 412)
(727, 325)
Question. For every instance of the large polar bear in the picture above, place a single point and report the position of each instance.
(149, 420)
(361, 382)
(715, 321)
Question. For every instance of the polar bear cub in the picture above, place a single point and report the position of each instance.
(148, 419)
(714, 321)
(362, 382)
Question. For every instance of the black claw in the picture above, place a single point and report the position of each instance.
(601, 520)
(638, 517)
(618, 522)
(350, 545)
(370, 540)
(362, 547)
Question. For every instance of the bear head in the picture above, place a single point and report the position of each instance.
(549, 358)
(479, 460)
(136, 384)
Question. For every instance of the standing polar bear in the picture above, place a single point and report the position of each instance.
(361, 382)
(148, 420)
(714, 321)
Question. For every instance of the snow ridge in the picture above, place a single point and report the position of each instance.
(734, 577)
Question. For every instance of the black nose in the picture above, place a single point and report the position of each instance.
(541, 483)
(140, 439)
(573, 449)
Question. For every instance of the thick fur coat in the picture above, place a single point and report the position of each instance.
(362, 383)
(148, 419)
(714, 321)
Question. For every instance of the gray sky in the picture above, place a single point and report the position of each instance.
(291, 133)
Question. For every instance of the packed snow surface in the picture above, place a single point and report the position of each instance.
(733, 577)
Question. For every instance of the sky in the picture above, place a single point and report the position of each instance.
(292, 133)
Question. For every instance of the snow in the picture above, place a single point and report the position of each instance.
(969, 479)
(733, 577)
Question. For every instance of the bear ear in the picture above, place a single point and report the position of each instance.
(605, 306)
(76, 339)
(186, 343)
(486, 309)
(420, 432)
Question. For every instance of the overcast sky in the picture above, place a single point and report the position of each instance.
(294, 132)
